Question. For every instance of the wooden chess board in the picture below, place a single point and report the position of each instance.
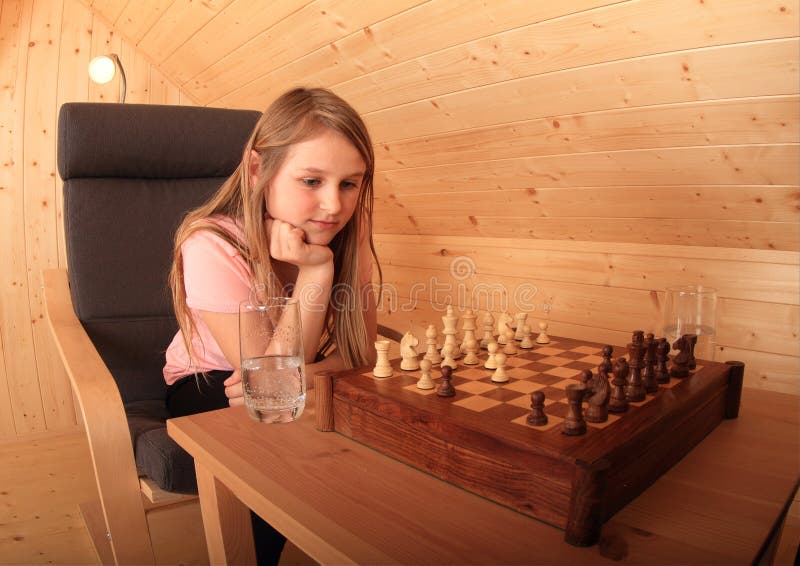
(480, 440)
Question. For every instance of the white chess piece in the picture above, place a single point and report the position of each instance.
(526, 338)
(488, 326)
(521, 318)
(511, 345)
(502, 322)
(408, 351)
(425, 381)
(491, 361)
(432, 353)
(499, 375)
(471, 348)
(382, 368)
(447, 356)
(468, 327)
(450, 321)
(543, 338)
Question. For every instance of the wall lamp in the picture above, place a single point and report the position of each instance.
(103, 68)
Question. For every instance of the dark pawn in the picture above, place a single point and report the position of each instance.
(618, 402)
(587, 379)
(692, 344)
(537, 416)
(606, 365)
(680, 363)
(649, 373)
(574, 424)
(662, 356)
(446, 389)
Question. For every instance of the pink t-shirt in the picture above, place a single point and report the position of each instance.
(217, 279)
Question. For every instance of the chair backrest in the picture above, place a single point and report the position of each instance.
(131, 172)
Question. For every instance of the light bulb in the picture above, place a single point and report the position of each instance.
(102, 69)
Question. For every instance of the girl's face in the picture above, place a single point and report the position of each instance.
(316, 187)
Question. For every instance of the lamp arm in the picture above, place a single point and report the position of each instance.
(123, 85)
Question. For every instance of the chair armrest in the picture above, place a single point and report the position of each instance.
(106, 425)
(390, 333)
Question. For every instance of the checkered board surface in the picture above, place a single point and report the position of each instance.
(548, 368)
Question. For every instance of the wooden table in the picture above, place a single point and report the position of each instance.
(342, 502)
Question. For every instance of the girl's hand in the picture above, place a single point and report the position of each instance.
(233, 388)
(287, 243)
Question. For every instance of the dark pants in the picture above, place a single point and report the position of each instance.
(196, 394)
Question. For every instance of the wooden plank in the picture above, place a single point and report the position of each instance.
(612, 267)
(138, 17)
(714, 122)
(751, 69)
(237, 23)
(698, 252)
(318, 23)
(725, 233)
(765, 203)
(177, 24)
(764, 327)
(137, 71)
(104, 42)
(406, 35)
(719, 165)
(623, 31)
(762, 370)
(109, 10)
(15, 355)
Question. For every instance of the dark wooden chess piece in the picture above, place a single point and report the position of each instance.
(649, 369)
(574, 423)
(618, 402)
(635, 389)
(537, 416)
(692, 344)
(606, 365)
(446, 389)
(680, 363)
(662, 357)
(587, 379)
(597, 404)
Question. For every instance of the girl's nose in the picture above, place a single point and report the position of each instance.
(330, 201)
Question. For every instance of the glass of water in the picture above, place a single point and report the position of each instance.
(691, 309)
(273, 365)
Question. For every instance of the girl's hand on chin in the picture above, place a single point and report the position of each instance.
(288, 243)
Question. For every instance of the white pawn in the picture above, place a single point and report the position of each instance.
(425, 381)
(500, 375)
(432, 353)
(382, 368)
(471, 348)
(408, 351)
(504, 320)
(491, 361)
(447, 353)
(521, 318)
(543, 338)
(450, 322)
(526, 338)
(488, 326)
(511, 346)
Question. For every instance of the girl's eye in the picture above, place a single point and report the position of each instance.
(311, 182)
(349, 185)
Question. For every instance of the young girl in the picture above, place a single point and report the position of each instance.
(295, 218)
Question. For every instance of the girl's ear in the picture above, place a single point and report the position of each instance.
(254, 167)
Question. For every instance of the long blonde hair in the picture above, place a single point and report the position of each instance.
(292, 118)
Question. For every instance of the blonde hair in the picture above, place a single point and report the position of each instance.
(294, 117)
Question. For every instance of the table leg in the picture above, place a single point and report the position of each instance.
(226, 520)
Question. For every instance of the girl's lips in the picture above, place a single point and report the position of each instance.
(324, 225)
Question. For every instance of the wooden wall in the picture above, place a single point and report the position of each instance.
(45, 49)
(580, 156)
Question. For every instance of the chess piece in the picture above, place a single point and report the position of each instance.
(447, 356)
(692, 344)
(662, 357)
(432, 352)
(597, 403)
(471, 349)
(606, 365)
(587, 379)
(649, 367)
(680, 363)
(635, 389)
(543, 338)
(619, 402)
(425, 380)
(537, 416)
(446, 388)
(491, 361)
(408, 352)
(468, 326)
(510, 349)
(520, 318)
(450, 321)
(526, 343)
(488, 325)
(574, 423)
(500, 375)
(382, 368)
(504, 321)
